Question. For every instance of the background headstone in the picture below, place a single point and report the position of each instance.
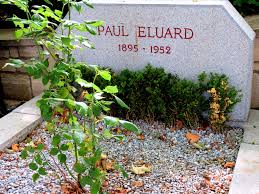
(182, 36)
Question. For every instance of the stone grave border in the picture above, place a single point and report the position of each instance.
(23, 120)
(16, 125)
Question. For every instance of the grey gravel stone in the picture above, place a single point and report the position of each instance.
(177, 167)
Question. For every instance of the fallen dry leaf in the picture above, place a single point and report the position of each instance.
(141, 136)
(119, 190)
(104, 156)
(108, 166)
(116, 130)
(137, 184)
(162, 137)
(140, 170)
(179, 124)
(105, 184)
(16, 147)
(192, 138)
(229, 164)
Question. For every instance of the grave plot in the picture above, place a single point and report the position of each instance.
(172, 139)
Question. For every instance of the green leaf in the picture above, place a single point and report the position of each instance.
(15, 63)
(24, 154)
(86, 84)
(35, 177)
(111, 89)
(95, 187)
(56, 140)
(121, 103)
(96, 23)
(40, 147)
(45, 80)
(87, 44)
(67, 136)
(54, 151)
(78, 137)
(105, 74)
(66, 40)
(33, 166)
(42, 171)
(79, 168)
(82, 108)
(48, 2)
(64, 147)
(107, 134)
(119, 137)
(38, 159)
(19, 33)
(129, 126)
(82, 151)
(124, 173)
(111, 121)
(85, 180)
(87, 3)
(63, 92)
(62, 158)
(96, 109)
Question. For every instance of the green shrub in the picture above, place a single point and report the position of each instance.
(154, 94)
(223, 98)
(246, 7)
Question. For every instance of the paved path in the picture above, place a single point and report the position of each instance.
(246, 173)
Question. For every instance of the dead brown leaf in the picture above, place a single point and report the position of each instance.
(192, 138)
(162, 137)
(106, 165)
(229, 164)
(137, 184)
(141, 136)
(16, 147)
(179, 125)
(140, 170)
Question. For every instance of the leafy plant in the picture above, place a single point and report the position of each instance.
(71, 121)
(222, 98)
(246, 7)
(154, 94)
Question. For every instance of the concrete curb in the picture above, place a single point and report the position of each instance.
(246, 173)
(15, 126)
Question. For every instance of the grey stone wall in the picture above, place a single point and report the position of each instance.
(17, 85)
(255, 94)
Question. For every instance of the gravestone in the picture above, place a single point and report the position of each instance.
(184, 37)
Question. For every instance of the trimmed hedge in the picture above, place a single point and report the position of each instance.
(152, 94)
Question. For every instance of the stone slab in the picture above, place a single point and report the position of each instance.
(256, 52)
(37, 86)
(16, 86)
(255, 94)
(14, 127)
(29, 107)
(256, 67)
(251, 128)
(246, 172)
(197, 36)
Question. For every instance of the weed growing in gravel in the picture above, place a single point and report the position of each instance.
(71, 121)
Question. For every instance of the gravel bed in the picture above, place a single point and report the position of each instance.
(177, 166)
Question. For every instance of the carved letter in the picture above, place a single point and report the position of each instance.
(141, 32)
(168, 32)
(190, 33)
(100, 29)
(177, 33)
(108, 30)
(124, 32)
